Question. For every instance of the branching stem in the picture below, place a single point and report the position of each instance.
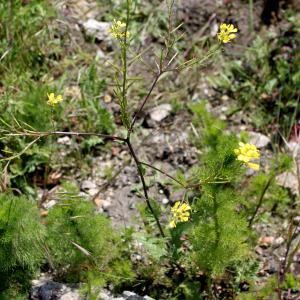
(136, 114)
(145, 188)
(163, 172)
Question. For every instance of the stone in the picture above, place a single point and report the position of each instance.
(100, 55)
(278, 241)
(73, 92)
(102, 204)
(126, 295)
(272, 267)
(88, 185)
(165, 201)
(93, 192)
(259, 250)
(293, 147)
(64, 141)
(46, 289)
(297, 220)
(258, 139)
(266, 241)
(289, 179)
(160, 112)
(97, 30)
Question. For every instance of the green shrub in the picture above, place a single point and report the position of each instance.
(83, 245)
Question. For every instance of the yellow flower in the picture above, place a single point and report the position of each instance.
(227, 33)
(52, 100)
(246, 153)
(180, 213)
(117, 30)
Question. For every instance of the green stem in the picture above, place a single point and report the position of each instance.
(216, 221)
(251, 15)
(260, 201)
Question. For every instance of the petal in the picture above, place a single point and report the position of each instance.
(243, 158)
(51, 96)
(184, 207)
(176, 205)
(185, 215)
(223, 26)
(172, 224)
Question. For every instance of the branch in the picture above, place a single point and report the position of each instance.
(141, 175)
(138, 111)
(163, 172)
(40, 134)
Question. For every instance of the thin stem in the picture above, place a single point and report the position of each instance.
(22, 152)
(124, 66)
(10, 22)
(47, 133)
(292, 234)
(145, 189)
(260, 201)
(251, 15)
(163, 172)
(283, 266)
(216, 221)
(144, 101)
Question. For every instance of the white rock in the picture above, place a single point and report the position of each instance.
(160, 112)
(64, 140)
(100, 55)
(165, 201)
(293, 148)
(70, 295)
(105, 204)
(289, 179)
(297, 220)
(88, 185)
(258, 139)
(98, 30)
(128, 294)
(92, 192)
(279, 241)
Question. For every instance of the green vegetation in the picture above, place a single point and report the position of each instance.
(210, 252)
(264, 82)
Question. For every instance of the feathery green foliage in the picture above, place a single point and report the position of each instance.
(82, 243)
(21, 243)
(219, 231)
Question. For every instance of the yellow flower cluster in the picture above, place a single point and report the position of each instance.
(180, 213)
(227, 33)
(117, 30)
(246, 153)
(52, 100)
